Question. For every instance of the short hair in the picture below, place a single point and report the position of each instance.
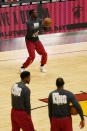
(31, 11)
(24, 74)
(59, 82)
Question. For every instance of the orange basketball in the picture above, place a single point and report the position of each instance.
(47, 22)
(73, 110)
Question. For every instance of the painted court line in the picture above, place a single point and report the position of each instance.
(49, 54)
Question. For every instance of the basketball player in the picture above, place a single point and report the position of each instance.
(58, 107)
(34, 25)
(21, 113)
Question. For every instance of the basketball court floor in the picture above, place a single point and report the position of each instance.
(67, 58)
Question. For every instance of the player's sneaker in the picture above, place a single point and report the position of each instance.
(42, 68)
(22, 69)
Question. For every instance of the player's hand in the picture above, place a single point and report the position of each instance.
(82, 124)
(46, 29)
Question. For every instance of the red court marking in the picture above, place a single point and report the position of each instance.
(81, 97)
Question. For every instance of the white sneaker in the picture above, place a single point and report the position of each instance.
(22, 69)
(42, 68)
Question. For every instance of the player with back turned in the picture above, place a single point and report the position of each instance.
(58, 107)
(34, 25)
(21, 107)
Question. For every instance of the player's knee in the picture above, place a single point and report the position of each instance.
(45, 54)
(32, 58)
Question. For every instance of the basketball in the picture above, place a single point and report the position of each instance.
(47, 22)
(73, 110)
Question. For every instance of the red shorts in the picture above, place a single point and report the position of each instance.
(21, 120)
(61, 124)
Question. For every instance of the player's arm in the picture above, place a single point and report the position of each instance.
(78, 107)
(27, 102)
(50, 107)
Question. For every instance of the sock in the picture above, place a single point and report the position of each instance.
(22, 66)
(42, 65)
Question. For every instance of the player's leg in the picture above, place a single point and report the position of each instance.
(15, 126)
(41, 51)
(55, 124)
(67, 124)
(25, 122)
(31, 50)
